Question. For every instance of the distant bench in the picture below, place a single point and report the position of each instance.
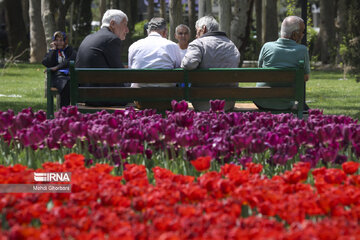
(80, 77)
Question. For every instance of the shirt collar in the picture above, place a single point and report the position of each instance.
(154, 34)
(286, 40)
(215, 33)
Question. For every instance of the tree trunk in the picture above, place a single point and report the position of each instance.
(327, 31)
(240, 25)
(129, 7)
(48, 19)
(83, 19)
(102, 7)
(192, 17)
(162, 9)
(150, 12)
(63, 9)
(25, 13)
(71, 32)
(225, 16)
(342, 13)
(18, 41)
(258, 13)
(37, 35)
(114, 4)
(269, 21)
(175, 13)
(205, 8)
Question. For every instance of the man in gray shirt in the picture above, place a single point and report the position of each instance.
(211, 49)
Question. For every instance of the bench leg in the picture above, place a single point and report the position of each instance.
(58, 107)
(49, 105)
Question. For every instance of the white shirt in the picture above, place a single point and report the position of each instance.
(182, 52)
(154, 51)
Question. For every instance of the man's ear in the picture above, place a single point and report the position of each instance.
(111, 25)
(204, 29)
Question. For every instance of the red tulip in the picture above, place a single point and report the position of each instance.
(201, 163)
(350, 167)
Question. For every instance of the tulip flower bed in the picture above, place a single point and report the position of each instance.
(171, 141)
(233, 203)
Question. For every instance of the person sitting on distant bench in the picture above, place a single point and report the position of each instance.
(58, 61)
(286, 52)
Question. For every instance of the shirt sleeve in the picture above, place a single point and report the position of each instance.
(261, 58)
(50, 59)
(193, 56)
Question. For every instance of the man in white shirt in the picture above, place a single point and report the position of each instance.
(154, 51)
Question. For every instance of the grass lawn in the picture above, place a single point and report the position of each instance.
(22, 86)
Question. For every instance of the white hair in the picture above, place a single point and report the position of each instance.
(182, 26)
(209, 22)
(113, 15)
(289, 25)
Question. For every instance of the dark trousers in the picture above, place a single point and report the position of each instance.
(61, 81)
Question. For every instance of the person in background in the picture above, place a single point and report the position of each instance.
(57, 60)
(103, 49)
(286, 52)
(211, 49)
(154, 51)
(182, 35)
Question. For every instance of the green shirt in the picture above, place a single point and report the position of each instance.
(283, 53)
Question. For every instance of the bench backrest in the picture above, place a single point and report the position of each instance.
(82, 77)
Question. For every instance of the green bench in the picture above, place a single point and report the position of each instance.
(80, 77)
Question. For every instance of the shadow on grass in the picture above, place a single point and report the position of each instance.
(17, 106)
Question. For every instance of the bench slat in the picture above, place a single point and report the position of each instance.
(241, 76)
(241, 93)
(126, 76)
(149, 94)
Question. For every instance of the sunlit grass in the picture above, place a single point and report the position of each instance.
(23, 87)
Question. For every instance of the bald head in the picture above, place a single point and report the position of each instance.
(290, 25)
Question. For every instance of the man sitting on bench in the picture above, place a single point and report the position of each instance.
(286, 52)
(211, 49)
(154, 51)
(103, 48)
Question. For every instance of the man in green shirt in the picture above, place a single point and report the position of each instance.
(286, 52)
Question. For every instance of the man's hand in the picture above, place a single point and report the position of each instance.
(306, 77)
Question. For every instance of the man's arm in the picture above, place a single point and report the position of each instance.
(193, 56)
(261, 58)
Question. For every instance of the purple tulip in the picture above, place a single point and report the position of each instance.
(217, 105)
(328, 154)
(113, 123)
(185, 120)
(67, 140)
(6, 119)
(78, 129)
(244, 160)
(181, 106)
(241, 141)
